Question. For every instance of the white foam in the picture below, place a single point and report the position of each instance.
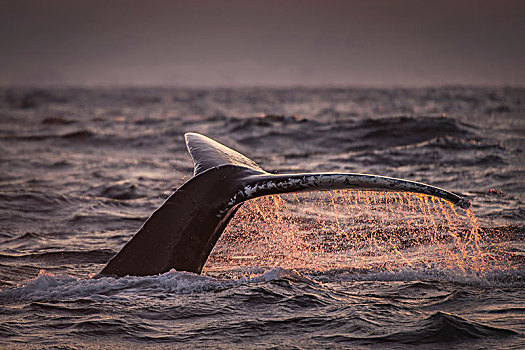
(514, 277)
(47, 286)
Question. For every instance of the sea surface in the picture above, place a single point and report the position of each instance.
(82, 168)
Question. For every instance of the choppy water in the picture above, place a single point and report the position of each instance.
(81, 169)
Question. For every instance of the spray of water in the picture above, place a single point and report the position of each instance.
(342, 229)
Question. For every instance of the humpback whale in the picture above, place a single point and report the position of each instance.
(183, 231)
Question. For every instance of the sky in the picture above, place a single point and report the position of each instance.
(262, 43)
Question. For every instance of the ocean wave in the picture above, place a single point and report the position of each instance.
(438, 328)
(47, 286)
(299, 135)
(442, 327)
(91, 256)
(510, 277)
(56, 120)
(78, 134)
(122, 190)
(33, 98)
(459, 143)
(74, 135)
(35, 201)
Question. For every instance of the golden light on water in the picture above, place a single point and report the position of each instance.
(342, 229)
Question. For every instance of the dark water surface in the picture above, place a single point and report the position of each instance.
(82, 169)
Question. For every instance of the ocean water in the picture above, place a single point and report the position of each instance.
(81, 170)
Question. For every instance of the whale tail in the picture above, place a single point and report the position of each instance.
(182, 232)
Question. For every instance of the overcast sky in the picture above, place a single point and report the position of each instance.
(266, 42)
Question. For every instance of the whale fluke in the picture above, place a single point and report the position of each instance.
(182, 232)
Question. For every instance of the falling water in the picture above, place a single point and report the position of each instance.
(356, 230)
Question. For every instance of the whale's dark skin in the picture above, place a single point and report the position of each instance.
(183, 231)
